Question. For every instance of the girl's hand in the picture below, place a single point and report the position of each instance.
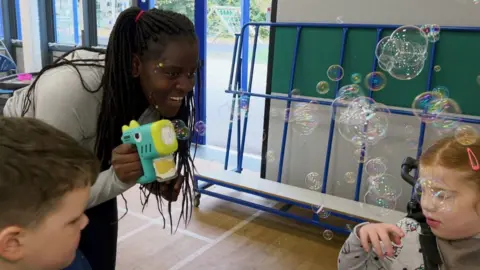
(373, 234)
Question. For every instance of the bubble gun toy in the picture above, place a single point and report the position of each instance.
(155, 142)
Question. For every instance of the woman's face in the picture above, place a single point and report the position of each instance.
(168, 74)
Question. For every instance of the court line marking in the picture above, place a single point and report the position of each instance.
(159, 221)
(219, 239)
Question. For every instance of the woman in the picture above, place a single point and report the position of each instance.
(147, 73)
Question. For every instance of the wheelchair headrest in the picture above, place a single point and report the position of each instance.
(408, 165)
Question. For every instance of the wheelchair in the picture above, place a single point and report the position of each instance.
(428, 241)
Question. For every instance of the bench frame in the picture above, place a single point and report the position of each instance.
(237, 74)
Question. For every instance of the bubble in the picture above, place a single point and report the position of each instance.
(363, 122)
(358, 153)
(335, 73)
(350, 91)
(478, 79)
(295, 92)
(318, 209)
(432, 31)
(328, 235)
(386, 186)
(350, 178)
(356, 78)
(304, 119)
(385, 205)
(375, 167)
(442, 91)
(375, 81)
(445, 109)
(270, 156)
(466, 135)
(430, 192)
(323, 87)
(409, 129)
(403, 53)
(181, 129)
(322, 213)
(422, 106)
(339, 19)
(313, 181)
(437, 68)
(200, 128)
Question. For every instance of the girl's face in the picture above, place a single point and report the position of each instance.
(450, 203)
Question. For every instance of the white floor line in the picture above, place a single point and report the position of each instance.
(222, 237)
(133, 232)
(159, 221)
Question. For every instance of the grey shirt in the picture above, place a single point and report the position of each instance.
(60, 100)
(458, 254)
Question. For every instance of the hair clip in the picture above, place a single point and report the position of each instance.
(473, 160)
(139, 15)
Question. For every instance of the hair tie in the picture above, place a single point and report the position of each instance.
(473, 160)
(139, 15)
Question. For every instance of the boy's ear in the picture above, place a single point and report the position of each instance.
(11, 246)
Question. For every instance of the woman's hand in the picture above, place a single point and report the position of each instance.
(373, 234)
(126, 163)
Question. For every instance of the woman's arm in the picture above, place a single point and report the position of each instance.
(61, 101)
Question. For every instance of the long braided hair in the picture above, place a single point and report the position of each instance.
(123, 100)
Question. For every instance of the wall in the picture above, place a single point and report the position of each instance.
(304, 154)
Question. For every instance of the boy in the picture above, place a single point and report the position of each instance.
(45, 179)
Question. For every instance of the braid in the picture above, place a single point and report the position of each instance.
(123, 100)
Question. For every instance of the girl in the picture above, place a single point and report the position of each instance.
(147, 73)
(450, 200)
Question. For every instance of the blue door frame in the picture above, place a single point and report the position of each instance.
(201, 8)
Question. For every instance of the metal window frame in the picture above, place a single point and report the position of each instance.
(10, 26)
(89, 33)
(46, 15)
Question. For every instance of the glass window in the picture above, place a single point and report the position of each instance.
(67, 21)
(107, 13)
(1, 20)
(19, 21)
(185, 7)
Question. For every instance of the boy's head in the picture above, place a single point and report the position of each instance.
(45, 182)
(450, 186)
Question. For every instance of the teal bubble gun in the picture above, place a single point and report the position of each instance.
(155, 142)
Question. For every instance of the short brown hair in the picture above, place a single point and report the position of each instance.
(450, 154)
(39, 164)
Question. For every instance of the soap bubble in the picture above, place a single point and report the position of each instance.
(270, 156)
(403, 53)
(304, 119)
(358, 153)
(386, 205)
(375, 81)
(437, 68)
(442, 91)
(200, 128)
(328, 235)
(432, 31)
(431, 193)
(181, 129)
(412, 143)
(356, 78)
(350, 178)
(321, 212)
(385, 186)
(375, 167)
(323, 87)
(335, 73)
(313, 181)
(466, 135)
(364, 121)
(339, 19)
(478, 79)
(422, 106)
(445, 109)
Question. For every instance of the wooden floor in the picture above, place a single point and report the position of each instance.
(221, 235)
